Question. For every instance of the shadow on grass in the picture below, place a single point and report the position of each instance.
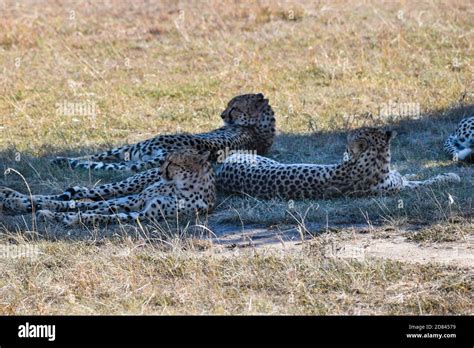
(427, 131)
(418, 149)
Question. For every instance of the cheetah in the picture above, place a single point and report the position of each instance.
(365, 170)
(184, 185)
(249, 124)
(460, 144)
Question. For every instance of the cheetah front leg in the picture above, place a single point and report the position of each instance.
(127, 203)
(438, 179)
(393, 183)
(159, 208)
(15, 202)
(88, 218)
(133, 184)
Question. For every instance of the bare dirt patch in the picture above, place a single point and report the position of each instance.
(359, 242)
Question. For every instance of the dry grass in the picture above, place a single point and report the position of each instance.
(442, 233)
(166, 66)
(134, 277)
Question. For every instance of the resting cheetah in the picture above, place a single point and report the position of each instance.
(184, 185)
(364, 170)
(460, 144)
(249, 124)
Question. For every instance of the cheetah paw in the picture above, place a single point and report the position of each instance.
(450, 177)
(45, 215)
(410, 177)
(60, 160)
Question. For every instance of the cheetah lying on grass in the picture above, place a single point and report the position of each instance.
(364, 170)
(184, 185)
(249, 124)
(460, 144)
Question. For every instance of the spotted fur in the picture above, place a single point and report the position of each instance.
(364, 170)
(249, 124)
(460, 144)
(183, 185)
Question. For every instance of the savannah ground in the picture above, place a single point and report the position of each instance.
(131, 71)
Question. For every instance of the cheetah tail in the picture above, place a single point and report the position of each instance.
(122, 153)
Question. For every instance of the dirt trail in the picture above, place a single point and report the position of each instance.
(357, 242)
(400, 249)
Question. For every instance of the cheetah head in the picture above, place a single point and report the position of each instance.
(369, 141)
(244, 109)
(187, 161)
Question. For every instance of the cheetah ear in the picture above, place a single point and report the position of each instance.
(262, 104)
(205, 156)
(359, 146)
(195, 165)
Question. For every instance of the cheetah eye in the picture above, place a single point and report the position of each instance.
(234, 112)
